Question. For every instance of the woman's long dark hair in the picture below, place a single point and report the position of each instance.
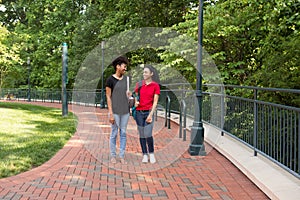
(155, 76)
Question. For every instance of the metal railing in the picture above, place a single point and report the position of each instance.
(270, 129)
(182, 120)
(168, 112)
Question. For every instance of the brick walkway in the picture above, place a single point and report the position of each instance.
(81, 170)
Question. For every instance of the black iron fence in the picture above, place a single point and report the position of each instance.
(270, 129)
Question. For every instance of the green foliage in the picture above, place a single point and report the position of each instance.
(30, 136)
(245, 39)
(9, 57)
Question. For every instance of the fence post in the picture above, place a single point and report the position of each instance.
(180, 118)
(168, 112)
(184, 122)
(182, 112)
(298, 141)
(255, 123)
(222, 110)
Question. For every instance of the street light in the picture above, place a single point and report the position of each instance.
(102, 101)
(197, 131)
(28, 68)
(64, 79)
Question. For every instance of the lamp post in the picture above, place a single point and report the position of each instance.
(28, 68)
(197, 131)
(102, 101)
(64, 79)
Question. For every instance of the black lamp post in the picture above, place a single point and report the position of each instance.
(197, 131)
(102, 101)
(64, 79)
(28, 68)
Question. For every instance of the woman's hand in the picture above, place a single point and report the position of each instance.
(137, 103)
(149, 119)
(111, 119)
(128, 93)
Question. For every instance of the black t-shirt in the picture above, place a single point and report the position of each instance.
(118, 95)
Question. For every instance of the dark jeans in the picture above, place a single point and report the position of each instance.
(145, 131)
(147, 142)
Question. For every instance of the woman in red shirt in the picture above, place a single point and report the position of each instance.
(149, 93)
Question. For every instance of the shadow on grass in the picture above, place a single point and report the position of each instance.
(39, 133)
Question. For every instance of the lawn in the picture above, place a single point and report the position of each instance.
(30, 135)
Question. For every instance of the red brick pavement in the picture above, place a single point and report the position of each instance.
(81, 170)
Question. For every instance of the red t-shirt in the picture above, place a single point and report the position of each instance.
(147, 93)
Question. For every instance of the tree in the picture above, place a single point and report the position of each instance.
(47, 25)
(246, 39)
(9, 58)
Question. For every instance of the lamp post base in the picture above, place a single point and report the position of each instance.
(197, 147)
(197, 150)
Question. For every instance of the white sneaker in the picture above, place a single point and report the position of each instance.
(152, 158)
(145, 159)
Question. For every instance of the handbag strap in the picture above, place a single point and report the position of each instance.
(127, 78)
(140, 84)
(139, 87)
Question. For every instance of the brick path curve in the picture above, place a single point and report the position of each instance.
(81, 169)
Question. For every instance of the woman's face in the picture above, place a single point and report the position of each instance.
(147, 74)
(122, 68)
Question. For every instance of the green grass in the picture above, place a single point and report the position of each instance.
(30, 135)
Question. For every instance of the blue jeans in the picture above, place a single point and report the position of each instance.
(121, 122)
(145, 131)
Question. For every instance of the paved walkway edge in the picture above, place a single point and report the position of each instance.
(275, 182)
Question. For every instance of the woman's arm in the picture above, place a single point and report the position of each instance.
(109, 105)
(155, 101)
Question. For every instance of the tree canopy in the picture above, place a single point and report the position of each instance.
(251, 42)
